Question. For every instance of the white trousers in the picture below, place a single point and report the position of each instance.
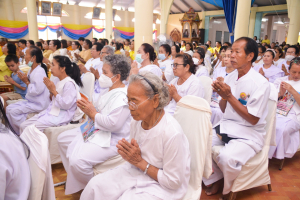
(33, 120)
(79, 158)
(216, 115)
(115, 184)
(229, 163)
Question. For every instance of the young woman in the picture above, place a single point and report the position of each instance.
(47, 52)
(175, 49)
(29, 43)
(37, 94)
(165, 63)
(268, 70)
(64, 95)
(198, 58)
(75, 50)
(189, 49)
(64, 45)
(39, 45)
(278, 60)
(259, 60)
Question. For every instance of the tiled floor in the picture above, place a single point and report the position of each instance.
(285, 183)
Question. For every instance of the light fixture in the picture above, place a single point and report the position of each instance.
(264, 19)
(133, 20)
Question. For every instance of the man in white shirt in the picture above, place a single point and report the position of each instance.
(245, 95)
(291, 53)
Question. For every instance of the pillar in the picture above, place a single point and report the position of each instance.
(242, 19)
(252, 22)
(9, 10)
(76, 14)
(126, 18)
(165, 7)
(32, 20)
(270, 27)
(143, 26)
(202, 24)
(294, 27)
(108, 19)
(207, 19)
(257, 26)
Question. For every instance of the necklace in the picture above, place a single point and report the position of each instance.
(156, 120)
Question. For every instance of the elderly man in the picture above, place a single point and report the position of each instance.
(245, 96)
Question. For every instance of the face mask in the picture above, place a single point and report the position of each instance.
(105, 81)
(139, 58)
(114, 48)
(161, 56)
(258, 57)
(289, 57)
(196, 61)
(30, 63)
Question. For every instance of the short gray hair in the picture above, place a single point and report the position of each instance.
(119, 64)
(109, 50)
(158, 84)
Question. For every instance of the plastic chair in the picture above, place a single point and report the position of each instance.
(193, 114)
(206, 82)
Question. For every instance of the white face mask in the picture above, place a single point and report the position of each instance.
(105, 81)
(196, 61)
(289, 57)
(258, 57)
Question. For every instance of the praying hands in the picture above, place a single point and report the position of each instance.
(88, 108)
(130, 152)
(222, 89)
(50, 85)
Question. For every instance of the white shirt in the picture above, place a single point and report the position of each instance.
(74, 59)
(201, 71)
(279, 62)
(256, 91)
(151, 68)
(285, 64)
(261, 62)
(96, 63)
(166, 147)
(278, 81)
(166, 67)
(63, 52)
(192, 86)
(272, 73)
(15, 177)
(220, 72)
(190, 52)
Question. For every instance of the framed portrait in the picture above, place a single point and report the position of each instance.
(96, 12)
(37, 7)
(56, 9)
(45, 8)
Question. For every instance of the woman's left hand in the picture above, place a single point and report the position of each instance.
(50, 85)
(130, 152)
(172, 90)
(287, 87)
(261, 71)
(88, 108)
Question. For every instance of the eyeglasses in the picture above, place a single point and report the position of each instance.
(133, 105)
(103, 52)
(175, 65)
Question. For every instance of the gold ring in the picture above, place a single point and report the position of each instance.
(83, 107)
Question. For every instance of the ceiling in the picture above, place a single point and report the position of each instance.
(179, 6)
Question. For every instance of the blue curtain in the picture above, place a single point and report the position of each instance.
(219, 3)
(75, 36)
(13, 35)
(229, 7)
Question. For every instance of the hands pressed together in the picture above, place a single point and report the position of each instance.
(222, 88)
(130, 152)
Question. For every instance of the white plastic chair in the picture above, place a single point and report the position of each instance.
(109, 164)
(88, 88)
(193, 114)
(42, 187)
(206, 82)
(255, 172)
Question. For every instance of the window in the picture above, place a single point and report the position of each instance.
(48, 20)
(99, 23)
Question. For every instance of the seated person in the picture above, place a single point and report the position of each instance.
(242, 129)
(198, 58)
(37, 95)
(64, 95)
(157, 153)
(291, 53)
(268, 70)
(111, 119)
(220, 73)
(165, 63)
(186, 82)
(288, 120)
(85, 54)
(8, 49)
(15, 176)
(20, 88)
(259, 60)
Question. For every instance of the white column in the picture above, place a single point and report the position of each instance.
(108, 19)
(76, 14)
(9, 10)
(293, 13)
(143, 26)
(252, 22)
(242, 19)
(165, 6)
(270, 27)
(126, 18)
(32, 20)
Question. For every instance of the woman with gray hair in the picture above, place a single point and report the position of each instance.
(157, 154)
(95, 141)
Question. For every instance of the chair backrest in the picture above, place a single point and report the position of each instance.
(193, 114)
(88, 82)
(206, 82)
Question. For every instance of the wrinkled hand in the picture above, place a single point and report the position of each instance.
(222, 89)
(95, 72)
(23, 77)
(50, 85)
(134, 68)
(172, 90)
(130, 152)
(9, 79)
(287, 87)
(88, 108)
(261, 71)
(220, 79)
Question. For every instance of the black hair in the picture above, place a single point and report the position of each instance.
(296, 61)
(223, 48)
(122, 45)
(177, 48)
(99, 46)
(81, 39)
(106, 42)
(127, 40)
(250, 47)
(64, 44)
(88, 43)
(12, 57)
(149, 49)
(228, 43)
(192, 48)
(263, 49)
(95, 39)
(11, 49)
(39, 44)
(272, 53)
(219, 43)
(35, 51)
(8, 126)
(56, 43)
(167, 48)
(48, 42)
(31, 42)
(187, 60)
(77, 44)
(183, 41)
(178, 44)
(23, 41)
(255, 37)
(201, 52)
(268, 46)
(206, 45)
(296, 49)
(71, 69)
(118, 46)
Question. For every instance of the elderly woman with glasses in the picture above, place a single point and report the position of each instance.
(157, 154)
(95, 141)
(186, 82)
